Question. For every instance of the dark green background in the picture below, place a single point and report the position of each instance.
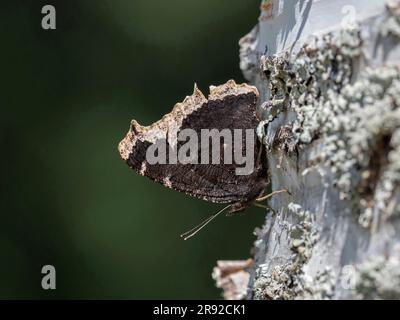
(67, 98)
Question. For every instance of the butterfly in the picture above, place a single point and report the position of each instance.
(152, 151)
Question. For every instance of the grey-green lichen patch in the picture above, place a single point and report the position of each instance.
(357, 114)
(287, 281)
(379, 277)
(391, 24)
(321, 286)
(363, 149)
(307, 83)
(281, 283)
(303, 234)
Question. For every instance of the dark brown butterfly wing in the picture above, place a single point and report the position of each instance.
(229, 106)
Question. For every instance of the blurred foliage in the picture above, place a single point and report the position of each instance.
(67, 97)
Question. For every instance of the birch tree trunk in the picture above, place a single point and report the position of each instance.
(329, 83)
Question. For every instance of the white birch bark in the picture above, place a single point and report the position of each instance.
(329, 83)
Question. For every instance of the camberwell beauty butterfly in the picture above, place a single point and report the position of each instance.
(198, 148)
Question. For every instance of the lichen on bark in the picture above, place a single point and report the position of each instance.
(286, 281)
(331, 127)
(358, 120)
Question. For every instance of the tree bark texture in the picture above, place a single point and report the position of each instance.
(328, 76)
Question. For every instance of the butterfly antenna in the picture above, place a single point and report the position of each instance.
(194, 230)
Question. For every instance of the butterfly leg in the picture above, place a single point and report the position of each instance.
(271, 195)
(264, 206)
